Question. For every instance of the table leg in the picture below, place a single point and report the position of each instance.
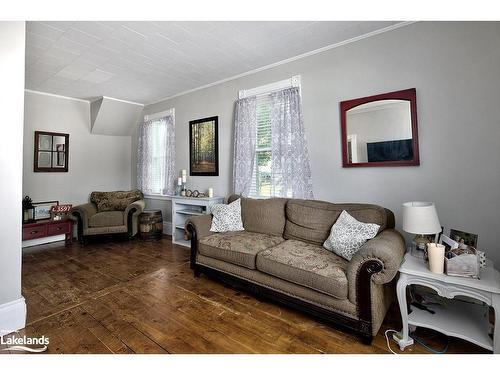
(496, 331)
(405, 340)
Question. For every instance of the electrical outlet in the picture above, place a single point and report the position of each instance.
(398, 339)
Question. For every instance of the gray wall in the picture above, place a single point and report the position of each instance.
(12, 98)
(96, 162)
(455, 67)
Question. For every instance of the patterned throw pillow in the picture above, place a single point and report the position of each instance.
(227, 217)
(348, 235)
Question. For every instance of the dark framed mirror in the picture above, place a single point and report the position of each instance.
(380, 130)
(51, 152)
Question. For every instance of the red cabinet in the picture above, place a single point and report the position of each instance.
(47, 228)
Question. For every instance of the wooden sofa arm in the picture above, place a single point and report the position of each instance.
(380, 257)
(131, 214)
(197, 227)
(83, 212)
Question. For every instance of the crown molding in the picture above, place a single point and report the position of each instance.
(123, 101)
(56, 96)
(286, 61)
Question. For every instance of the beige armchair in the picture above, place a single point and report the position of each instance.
(109, 213)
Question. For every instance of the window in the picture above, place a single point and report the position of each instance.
(156, 155)
(270, 148)
(265, 183)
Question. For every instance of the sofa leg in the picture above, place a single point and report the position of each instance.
(366, 338)
(196, 271)
(83, 241)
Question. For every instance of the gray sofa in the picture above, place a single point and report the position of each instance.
(280, 257)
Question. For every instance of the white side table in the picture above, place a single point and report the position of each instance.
(182, 208)
(464, 320)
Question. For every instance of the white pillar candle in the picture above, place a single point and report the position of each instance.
(179, 181)
(435, 252)
(184, 178)
(184, 172)
(210, 192)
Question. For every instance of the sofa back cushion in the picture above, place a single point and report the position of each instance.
(114, 200)
(311, 220)
(262, 215)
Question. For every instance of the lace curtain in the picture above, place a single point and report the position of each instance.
(290, 158)
(245, 134)
(156, 156)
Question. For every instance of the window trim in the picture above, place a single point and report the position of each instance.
(294, 81)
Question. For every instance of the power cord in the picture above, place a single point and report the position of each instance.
(419, 341)
(388, 341)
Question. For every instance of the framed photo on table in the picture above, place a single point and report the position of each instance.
(43, 210)
(204, 147)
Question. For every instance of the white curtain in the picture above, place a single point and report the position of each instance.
(245, 134)
(156, 156)
(291, 170)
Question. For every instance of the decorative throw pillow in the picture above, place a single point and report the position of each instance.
(227, 217)
(348, 235)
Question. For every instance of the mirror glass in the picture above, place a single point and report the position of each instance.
(380, 130)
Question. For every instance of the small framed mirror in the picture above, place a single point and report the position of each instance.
(51, 152)
(380, 130)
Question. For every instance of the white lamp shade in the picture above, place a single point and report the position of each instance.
(420, 218)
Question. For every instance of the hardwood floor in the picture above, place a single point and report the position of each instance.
(141, 297)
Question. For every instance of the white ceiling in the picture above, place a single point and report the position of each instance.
(147, 61)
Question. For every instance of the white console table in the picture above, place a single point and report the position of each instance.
(182, 208)
(468, 321)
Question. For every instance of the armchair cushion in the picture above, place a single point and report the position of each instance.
(106, 219)
(114, 200)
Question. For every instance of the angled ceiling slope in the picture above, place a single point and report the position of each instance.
(114, 117)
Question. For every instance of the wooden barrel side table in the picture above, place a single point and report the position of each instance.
(150, 225)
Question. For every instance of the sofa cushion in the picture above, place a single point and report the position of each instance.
(106, 219)
(311, 221)
(263, 215)
(307, 265)
(114, 200)
(237, 247)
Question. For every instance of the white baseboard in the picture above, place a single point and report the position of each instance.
(12, 316)
(40, 241)
(167, 228)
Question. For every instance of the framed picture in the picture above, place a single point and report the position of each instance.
(43, 210)
(204, 147)
(462, 237)
(51, 152)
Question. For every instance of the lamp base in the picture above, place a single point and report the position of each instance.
(419, 246)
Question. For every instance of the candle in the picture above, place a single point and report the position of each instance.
(184, 172)
(184, 178)
(179, 181)
(435, 252)
(210, 192)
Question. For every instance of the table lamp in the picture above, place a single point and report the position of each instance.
(420, 218)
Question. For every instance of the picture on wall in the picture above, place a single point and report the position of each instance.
(204, 147)
(51, 152)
